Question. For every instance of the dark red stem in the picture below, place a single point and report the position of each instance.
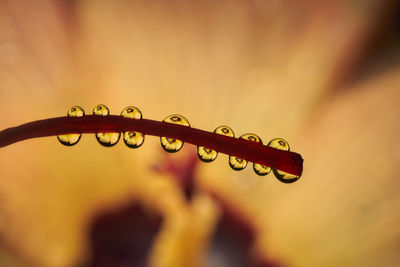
(290, 162)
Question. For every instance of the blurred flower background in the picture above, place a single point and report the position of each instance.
(324, 75)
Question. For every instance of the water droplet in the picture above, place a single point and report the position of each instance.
(173, 145)
(105, 139)
(132, 112)
(279, 143)
(225, 130)
(285, 177)
(132, 139)
(258, 168)
(76, 111)
(282, 176)
(101, 110)
(177, 119)
(207, 154)
(72, 139)
(251, 137)
(261, 169)
(236, 163)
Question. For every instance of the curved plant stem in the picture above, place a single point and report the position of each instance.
(286, 161)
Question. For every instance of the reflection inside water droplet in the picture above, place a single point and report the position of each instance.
(279, 143)
(72, 139)
(282, 144)
(224, 130)
(132, 139)
(285, 177)
(173, 145)
(208, 155)
(261, 169)
(237, 164)
(251, 137)
(105, 139)
(101, 110)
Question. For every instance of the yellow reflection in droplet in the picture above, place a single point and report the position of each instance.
(177, 119)
(132, 139)
(236, 163)
(76, 111)
(72, 139)
(101, 110)
(207, 154)
(172, 145)
(105, 139)
(240, 164)
(224, 130)
(282, 144)
(251, 137)
(279, 143)
(261, 169)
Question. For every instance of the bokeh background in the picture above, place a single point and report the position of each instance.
(324, 75)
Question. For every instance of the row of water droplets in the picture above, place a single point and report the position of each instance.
(172, 145)
(238, 164)
(131, 139)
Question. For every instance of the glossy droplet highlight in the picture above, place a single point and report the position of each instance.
(76, 111)
(236, 163)
(207, 154)
(101, 110)
(105, 139)
(279, 143)
(261, 169)
(251, 137)
(285, 177)
(173, 145)
(225, 130)
(72, 139)
(132, 139)
(282, 176)
(258, 168)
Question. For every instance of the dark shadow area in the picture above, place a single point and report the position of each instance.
(232, 243)
(123, 237)
(382, 48)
